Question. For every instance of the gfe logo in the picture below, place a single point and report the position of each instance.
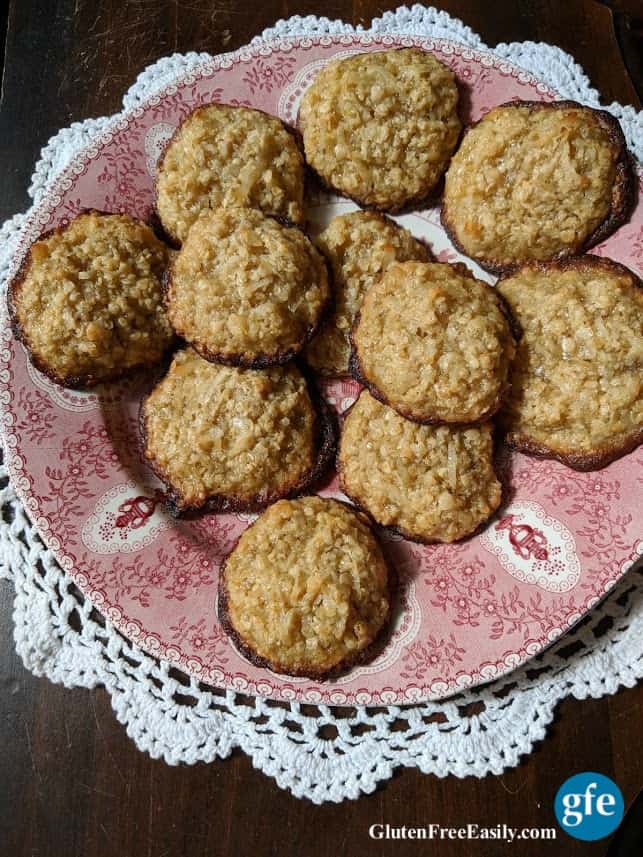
(589, 806)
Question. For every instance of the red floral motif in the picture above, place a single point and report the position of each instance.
(526, 541)
(92, 447)
(429, 655)
(181, 568)
(38, 418)
(462, 587)
(69, 209)
(127, 577)
(202, 95)
(210, 645)
(168, 107)
(213, 534)
(263, 76)
(135, 512)
(177, 105)
(186, 568)
(239, 102)
(124, 174)
(87, 453)
(589, 495)
(530, 543)
(66, 487)
(473, 75)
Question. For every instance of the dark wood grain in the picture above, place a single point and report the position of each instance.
(72, 784)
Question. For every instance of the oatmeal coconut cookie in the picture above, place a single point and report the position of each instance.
(381, 127)
(429, 483)
(246, 290)
(577, 380)
(536, 181)
(87, 301)
(434, 343)
(359, 247)
(306, 590)
(224, 155)
(232, 439)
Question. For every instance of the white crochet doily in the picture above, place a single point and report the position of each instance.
(317, 752)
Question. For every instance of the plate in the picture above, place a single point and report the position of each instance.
(465, 614)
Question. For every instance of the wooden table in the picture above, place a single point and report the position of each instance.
(71, 783)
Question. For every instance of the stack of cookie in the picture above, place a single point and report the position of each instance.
(553, 354)
(555, 351)
(433, 347)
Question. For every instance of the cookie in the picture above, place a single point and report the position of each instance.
(234, 439)
(536, 181)
(577, 380)
(434, 343)
(246, 290)
(87, 301)
(381, 127)
(358, 247)
(225, 155)
(428, 483)
(306, 590)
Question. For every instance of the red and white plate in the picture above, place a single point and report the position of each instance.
(466, 613)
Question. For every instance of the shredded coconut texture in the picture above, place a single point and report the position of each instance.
(433, 483)
(578, 374)
(224, 155)
(434, 343)
(89, 305)
(217, 431)
(307, 586)
(244, 287)
(529, 183)
(381, 127)
(359, 247)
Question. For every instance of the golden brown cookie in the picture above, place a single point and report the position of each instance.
(434, 343)
(231, 439)
(429, 483)
(536, 181)
(87, 301)
(246, 290)
(358, 247)
(577, 380)
(306, 590)
(225, 155)
(380, 127)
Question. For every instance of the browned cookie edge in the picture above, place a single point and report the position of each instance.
(168, 236)
(361, 657)
(72, 382)
(622, 192)
(417, 538)
(326, 443)
(425, 198)
(357, 373)
(261, 360)
(607, 453)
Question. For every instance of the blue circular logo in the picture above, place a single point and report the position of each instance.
(589, 806)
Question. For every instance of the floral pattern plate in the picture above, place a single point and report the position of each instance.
(465, 613)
